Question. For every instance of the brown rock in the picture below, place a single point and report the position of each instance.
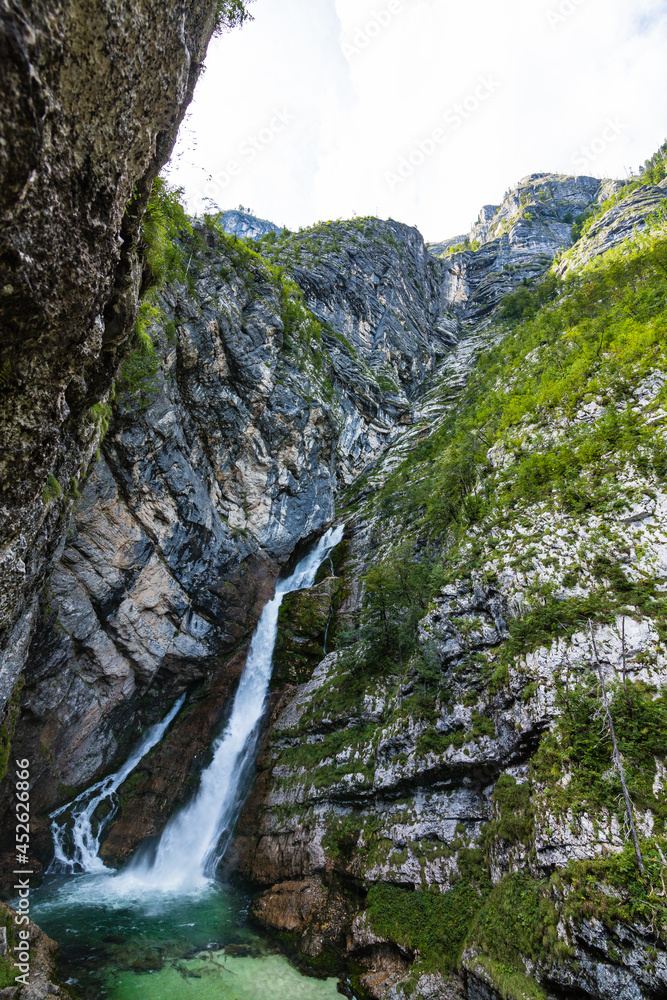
(168, 776)
(316, 915)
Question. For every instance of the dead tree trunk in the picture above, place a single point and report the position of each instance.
(616, 756)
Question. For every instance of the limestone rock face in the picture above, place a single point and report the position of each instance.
(515, 241)
(93, 95)
(381, 788)
(270, 397)
(208, 481)
(378, 286)
(245, 225)
(621, 221)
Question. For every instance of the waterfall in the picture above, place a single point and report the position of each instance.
(76, 834)
(195, 839)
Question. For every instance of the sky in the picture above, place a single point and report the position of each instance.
(419, 110)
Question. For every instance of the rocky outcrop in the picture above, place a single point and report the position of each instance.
(626, 216)
(90, 116)
(239, 223)
(376, 284)
(40, 984)
(516, 241)
(226, 458)
(478, 789)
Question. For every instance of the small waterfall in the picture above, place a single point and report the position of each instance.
(331, 613)
(195, 839)
(76, 833)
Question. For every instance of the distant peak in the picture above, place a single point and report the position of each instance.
(239, 222)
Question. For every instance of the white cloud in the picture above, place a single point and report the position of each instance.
(362, 83)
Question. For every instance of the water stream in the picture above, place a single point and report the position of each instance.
(75, 828)
(195, 839)
(163, 927)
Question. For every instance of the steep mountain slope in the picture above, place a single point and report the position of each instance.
(221, 458)
(226, 450)
(430, 805)
(442, 790)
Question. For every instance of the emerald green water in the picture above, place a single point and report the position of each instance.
(120, 944)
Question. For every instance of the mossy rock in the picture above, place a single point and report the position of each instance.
(305, 616)
(8, 970)
(8, 726)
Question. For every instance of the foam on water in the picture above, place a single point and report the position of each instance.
(75, 830)
(132, 935)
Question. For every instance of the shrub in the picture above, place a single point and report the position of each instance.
(433, 923)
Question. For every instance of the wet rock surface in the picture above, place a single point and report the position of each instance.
(91, 114)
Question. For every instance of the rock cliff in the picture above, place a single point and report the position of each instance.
(432, 805)
(227, 457)
(439, 799)
(93, 96)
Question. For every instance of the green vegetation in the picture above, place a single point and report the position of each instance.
(506, 925)
(8, 971)
(527, 301)
(514, 822)
(164, 225)
(653, 171)
(382, 642)
(583, 751)
(53, 490)
(396, 596)
(166, 235)
(590, 338)
(467, 244)
(139, 377)
(342, 837)
(611, 889)
(305, 618)
(12, 713)
(550, 433)
(433, 741)
(518, 922)
(230, 14)
(655, 168)
(435, 924)
(317, 762)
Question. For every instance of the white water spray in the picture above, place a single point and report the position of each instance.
(195, 839)
(76, 833)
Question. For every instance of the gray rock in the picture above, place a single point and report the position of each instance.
(82, 137)
(247, 226)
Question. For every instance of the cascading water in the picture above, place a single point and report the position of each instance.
(76, 832)
(195, 839)
(166, 926)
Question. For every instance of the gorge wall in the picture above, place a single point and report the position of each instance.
(420, 797)
(437, 799)
(94, 94)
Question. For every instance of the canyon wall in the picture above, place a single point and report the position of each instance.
(94, 94)
(414, 762)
